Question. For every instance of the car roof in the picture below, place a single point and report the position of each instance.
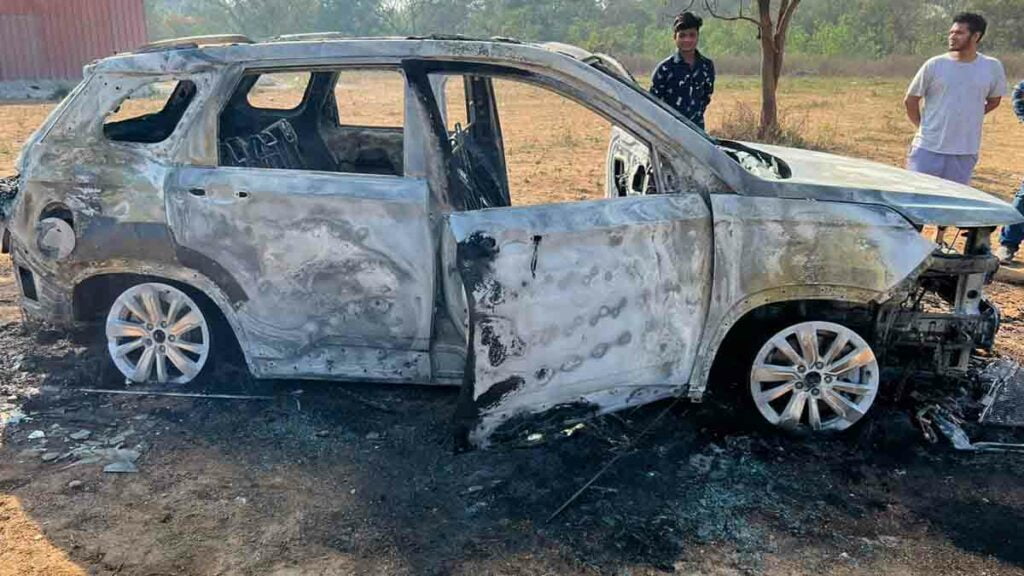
(191, 54)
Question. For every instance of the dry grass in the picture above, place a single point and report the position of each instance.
(865, 118)
(555, 148)
(17, 122)
(742, 123)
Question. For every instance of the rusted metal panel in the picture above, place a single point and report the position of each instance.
(21, 54)
(95, 17)
(128, 25)
(53, 39)
(598, 304)
(18, 6)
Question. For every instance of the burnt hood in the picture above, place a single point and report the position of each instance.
(920, 198)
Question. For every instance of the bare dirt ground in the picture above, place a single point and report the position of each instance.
(342, 478)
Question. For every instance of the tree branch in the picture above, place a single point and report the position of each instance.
(786, 16)
(782, 27)
(229, 9)
(783, 5)
(714, 14)
(764, 13)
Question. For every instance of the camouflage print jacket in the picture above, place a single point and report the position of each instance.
(1018, 101)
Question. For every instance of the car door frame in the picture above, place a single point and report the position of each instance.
(409, 361)
(492, 410)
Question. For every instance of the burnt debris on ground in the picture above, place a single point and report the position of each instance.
(701, 484)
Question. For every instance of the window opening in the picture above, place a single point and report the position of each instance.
(150, 113)
(348, 120)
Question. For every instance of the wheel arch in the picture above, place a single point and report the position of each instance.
(747, 319)
(95, 291)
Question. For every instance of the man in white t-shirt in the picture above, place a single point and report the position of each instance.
(958, 89)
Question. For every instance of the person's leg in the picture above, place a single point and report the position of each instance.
(959, 168)
(1011, 236)
(926, 162)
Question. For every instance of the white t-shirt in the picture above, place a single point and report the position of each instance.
(954, 102)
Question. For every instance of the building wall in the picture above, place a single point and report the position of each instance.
(53, 39)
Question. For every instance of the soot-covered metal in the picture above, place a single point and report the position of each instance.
(395, 255)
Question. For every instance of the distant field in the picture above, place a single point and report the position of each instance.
(865, 118)
(556, 149)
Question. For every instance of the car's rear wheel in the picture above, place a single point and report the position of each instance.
(814, 376)
(157, 334)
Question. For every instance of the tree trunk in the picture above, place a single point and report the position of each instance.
(769, 126)
(772, 33)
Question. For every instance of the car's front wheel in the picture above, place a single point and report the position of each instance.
(157, 334)
(816, 376)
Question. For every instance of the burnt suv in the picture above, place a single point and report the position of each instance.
(338, 249)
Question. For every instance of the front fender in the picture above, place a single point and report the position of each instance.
(770, 250)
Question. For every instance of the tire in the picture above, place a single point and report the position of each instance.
(157, 334)
(813, 377)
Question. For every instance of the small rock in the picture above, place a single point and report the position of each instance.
(119, 439)
(75, 484)
(322, 433)
(373, 436)
(36, 435)
(472, 489)
(80, 435)
(15, 417)
(352, 491)
(55, 427)
(121, 467)
(889, 541)
(701, 463)
(126, 455)
(50, 456)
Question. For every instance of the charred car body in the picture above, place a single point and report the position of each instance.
(393, 254)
